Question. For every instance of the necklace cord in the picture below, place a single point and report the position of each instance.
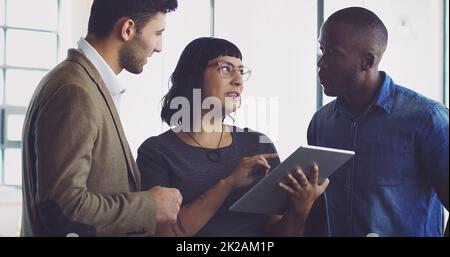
(209, 152)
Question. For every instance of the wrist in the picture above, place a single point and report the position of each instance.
(299, 213)
(227, 182)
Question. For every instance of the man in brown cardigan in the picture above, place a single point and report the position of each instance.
(79, 176)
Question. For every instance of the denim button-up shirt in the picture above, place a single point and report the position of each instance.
(401, 146)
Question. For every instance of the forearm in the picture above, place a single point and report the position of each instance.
(290, 225)
(194, 216)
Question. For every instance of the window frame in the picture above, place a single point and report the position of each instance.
(5, 108)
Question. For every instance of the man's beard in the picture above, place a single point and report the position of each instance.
(130, 55)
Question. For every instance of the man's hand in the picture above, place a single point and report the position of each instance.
(168, 202)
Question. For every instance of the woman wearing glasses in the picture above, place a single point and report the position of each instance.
(213, 164)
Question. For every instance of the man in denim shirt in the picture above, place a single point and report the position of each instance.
(398, 180)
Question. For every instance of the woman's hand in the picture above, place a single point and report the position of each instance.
(303, 192)
(249, 168)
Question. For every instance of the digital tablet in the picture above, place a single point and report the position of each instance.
(266, 197)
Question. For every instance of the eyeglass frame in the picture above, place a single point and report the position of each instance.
(234, 67)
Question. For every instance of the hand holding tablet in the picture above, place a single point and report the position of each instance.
(267, 197)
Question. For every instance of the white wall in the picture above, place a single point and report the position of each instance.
(278, 42)
(141, 104)
(79, 18)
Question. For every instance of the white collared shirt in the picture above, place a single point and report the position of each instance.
(112, 82)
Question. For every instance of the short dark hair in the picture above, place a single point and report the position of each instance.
(105, 13)
(364, 21)
(190, 69)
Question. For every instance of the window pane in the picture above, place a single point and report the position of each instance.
(11, 211)
(42, 53)
(14, 129)
(13, 167)
(20, 85)
(1, 87)
(40, 14)
(1, 165)
(2, 45)
(446, 58)
(2, 12)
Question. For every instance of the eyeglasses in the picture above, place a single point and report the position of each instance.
(227, 69)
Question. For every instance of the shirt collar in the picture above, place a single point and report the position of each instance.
(384, 100)
(385, 97)
(110, 78)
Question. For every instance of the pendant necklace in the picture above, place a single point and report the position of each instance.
(213, 155)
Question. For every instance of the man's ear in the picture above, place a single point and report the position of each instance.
(127, 28)
(368, 61)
